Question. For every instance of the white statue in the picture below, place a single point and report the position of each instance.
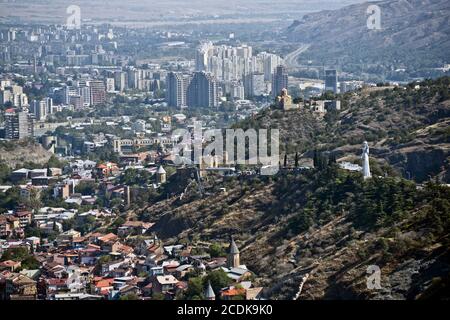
(365, 157)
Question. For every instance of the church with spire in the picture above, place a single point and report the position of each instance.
(209, 292)
(233, 259)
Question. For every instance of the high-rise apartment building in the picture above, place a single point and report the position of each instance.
(39, 109)
(270, 63)
(135, 77)
(254, 85)
(13, 94)
(110, 85)
(237, 91)
(176, 85)
(5, 96)
(48, 105)
(228, 63)
(18, 124)
(202, 91)
(85, 93)
(76, 102)
(201, 56)
(67, 92)
(331, 80)
(120, 81)
(98, 92)
(279, 80)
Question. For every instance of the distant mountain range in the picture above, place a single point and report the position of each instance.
(414, 34)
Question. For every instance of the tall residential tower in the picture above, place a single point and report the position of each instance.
(202, 91)
(331, 81)
(18, 124)
(176, 89)
(279, 80)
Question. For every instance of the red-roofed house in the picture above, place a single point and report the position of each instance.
(10, 265)
(232, 292)
(103, 285)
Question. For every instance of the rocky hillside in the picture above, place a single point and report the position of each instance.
(325, 227)
(414, 34)
(18, 153)
(326, 223)
(407, 129)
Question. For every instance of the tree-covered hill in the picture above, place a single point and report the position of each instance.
(327, 222)
(407, 127)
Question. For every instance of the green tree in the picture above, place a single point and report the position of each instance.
(216, 250)
(34, 200)
(68, 224)
(195, 288)
(219, 279)
(54, 162)
(30, 263)
(5, 172)
(86, 188)
(158, 296)
(9, 199)
(129, 296)
(16, 254)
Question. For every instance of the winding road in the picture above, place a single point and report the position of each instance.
(291, 58)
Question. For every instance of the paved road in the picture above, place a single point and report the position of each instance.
(291, 58)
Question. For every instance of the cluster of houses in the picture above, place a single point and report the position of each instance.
(63, 183)
(100, 266)
(93, 265)
(13, 224)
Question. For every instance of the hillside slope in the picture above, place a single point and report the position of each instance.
(407, 128)
(414, 34)
(329, 223)
(18, 153)
(325, 223)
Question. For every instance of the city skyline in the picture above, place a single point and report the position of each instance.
(239, 153)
